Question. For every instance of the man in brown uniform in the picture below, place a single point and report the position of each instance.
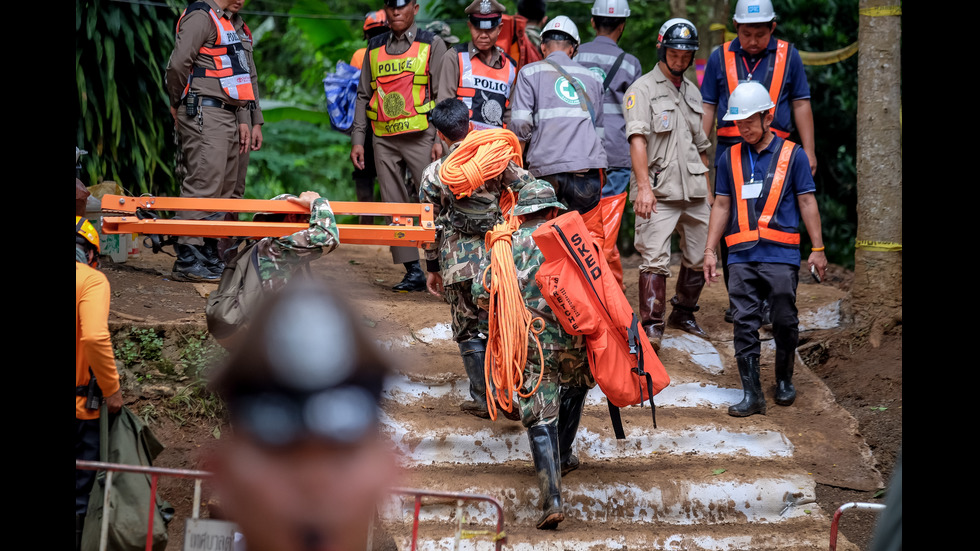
(669, 187)
(209, 85)
(487, 72)
(254, 117)
(396, 94)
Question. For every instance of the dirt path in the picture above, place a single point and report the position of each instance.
(866, 382)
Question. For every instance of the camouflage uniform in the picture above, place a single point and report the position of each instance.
(455, 254)
(279, 257)
(564, 354)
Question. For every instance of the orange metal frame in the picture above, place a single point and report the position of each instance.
(402, 232)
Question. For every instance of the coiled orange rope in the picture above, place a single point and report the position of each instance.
(510, 321)
(481, 156)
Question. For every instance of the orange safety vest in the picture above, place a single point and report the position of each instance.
(401, 96)
(746, 227)
(228, 54)
(774, 83)
(484, 90)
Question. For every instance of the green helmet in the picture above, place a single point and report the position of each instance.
(538, 195)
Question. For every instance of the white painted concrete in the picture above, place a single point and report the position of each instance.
(701, 351)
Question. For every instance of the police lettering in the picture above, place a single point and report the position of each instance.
(396, 66)
(490, 85)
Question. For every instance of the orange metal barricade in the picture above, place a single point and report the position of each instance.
(498, 535)
(402, 232)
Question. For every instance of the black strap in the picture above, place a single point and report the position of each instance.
(617, 420)
(612, 72)
(587, 105)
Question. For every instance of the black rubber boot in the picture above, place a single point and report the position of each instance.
(210, 250)
(685, 302)
(785, 391)
(474, 354)
(192, 265)
(544, 451)
(569, 415)
(753, 401)
(414, 279)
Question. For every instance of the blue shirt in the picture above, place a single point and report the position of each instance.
(714, 88)
(798, 181)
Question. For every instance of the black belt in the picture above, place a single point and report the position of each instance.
(212, 102)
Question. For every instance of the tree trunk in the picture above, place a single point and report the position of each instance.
(876, 295)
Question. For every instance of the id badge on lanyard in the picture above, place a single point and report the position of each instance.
(753, 188)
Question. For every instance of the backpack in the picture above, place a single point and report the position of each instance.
(239, 290)
(578, 285)
(514, 41)
(124, 439)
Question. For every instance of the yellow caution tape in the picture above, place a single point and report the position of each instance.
(828, 58)
(881, 11)
(879, 246)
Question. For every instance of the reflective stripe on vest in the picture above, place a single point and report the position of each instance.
(229, 57)
(774, 82)
(772, 192)
(485, 90)
(395, 78)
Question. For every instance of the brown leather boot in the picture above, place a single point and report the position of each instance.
(653, 291)
(685, 302)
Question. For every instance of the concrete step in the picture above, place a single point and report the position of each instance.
(665, 492)
(797, 535)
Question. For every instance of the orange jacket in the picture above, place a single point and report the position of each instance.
(93, 346)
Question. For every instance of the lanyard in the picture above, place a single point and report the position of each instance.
(754, 67)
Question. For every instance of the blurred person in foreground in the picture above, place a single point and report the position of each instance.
(305, 465)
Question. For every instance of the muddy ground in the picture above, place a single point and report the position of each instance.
(166, 392)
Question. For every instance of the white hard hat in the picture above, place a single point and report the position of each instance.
(754, 11)
(611, 8)
(563, 24)
(748, 99)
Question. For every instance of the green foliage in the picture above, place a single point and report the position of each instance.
(122, 114)
(142, 346)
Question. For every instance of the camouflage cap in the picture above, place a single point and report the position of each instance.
(441, 29)
(536, 196)
(304, 369)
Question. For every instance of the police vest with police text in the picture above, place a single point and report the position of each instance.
(775, 79)
(754, 220)
(228, 55)
(484, 90)
(400, 83)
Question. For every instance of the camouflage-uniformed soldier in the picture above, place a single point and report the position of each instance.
(453, 259)
(552, 413)
(279, 257)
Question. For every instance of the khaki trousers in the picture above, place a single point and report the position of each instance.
(652, 238)
(392, 154)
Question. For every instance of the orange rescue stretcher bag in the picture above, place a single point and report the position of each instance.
(578, 285)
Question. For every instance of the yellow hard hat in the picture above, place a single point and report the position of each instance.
(85, 229)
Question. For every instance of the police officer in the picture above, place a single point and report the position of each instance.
(395, 95)
(551, 415)
(762, 190)
(305, 465)
(208, 100)
(479, 72)
(558, 117)
(617, 70)
(670, 186)
(254, 114)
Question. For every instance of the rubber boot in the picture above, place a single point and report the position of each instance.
(192, 265)
(653, 290)
(785, 391)
(211, 252)
(414, 279)
(569, 415)
(685, 302)
(544, 451)
(753, 401)
(474, 353)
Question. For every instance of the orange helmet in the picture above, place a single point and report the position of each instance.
(375, 19)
